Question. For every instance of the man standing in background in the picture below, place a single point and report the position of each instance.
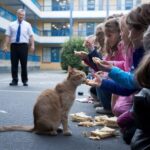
(20, 36)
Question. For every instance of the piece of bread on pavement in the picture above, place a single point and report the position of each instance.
(100, 120)
(86, 124)
(105, 120)
(103, 133)
(80, 117)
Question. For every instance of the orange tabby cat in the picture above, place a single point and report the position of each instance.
(52, 106)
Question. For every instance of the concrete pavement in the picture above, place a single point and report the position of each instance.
(16, 104)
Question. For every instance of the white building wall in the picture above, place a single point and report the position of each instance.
(4, 23)
(50, 40)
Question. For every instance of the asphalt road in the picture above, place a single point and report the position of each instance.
(16, 104)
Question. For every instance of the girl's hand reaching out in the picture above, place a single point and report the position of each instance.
(97, 81)
(81, 54)
(102, 64)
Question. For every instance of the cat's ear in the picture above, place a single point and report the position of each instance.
(71, 70)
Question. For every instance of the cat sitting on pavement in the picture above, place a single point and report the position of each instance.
(52, 107)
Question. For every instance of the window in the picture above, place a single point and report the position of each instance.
(55, 54)
(58, 5)
(90, 4)
(47, 5)
(60, 29)
(100, 4)
(119, 4)
(47, 29)
(81, 5)
(89, 28)
(51, 54)
(46, 57)
(128, 4)
(82, 29)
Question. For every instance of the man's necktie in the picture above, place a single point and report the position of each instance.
(18, 33)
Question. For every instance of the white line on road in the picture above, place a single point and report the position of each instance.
(3, 111)
(20, 91)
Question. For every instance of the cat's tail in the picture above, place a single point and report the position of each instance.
(16, 128)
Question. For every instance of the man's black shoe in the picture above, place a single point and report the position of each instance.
(25, 84)
(13, 83)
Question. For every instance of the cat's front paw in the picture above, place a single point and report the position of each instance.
(53, 133)
(67, 133)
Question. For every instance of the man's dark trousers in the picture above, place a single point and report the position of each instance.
(19, 52)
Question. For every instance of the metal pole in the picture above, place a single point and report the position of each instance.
(71, 19)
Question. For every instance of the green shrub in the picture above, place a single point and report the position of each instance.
(67, 56)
